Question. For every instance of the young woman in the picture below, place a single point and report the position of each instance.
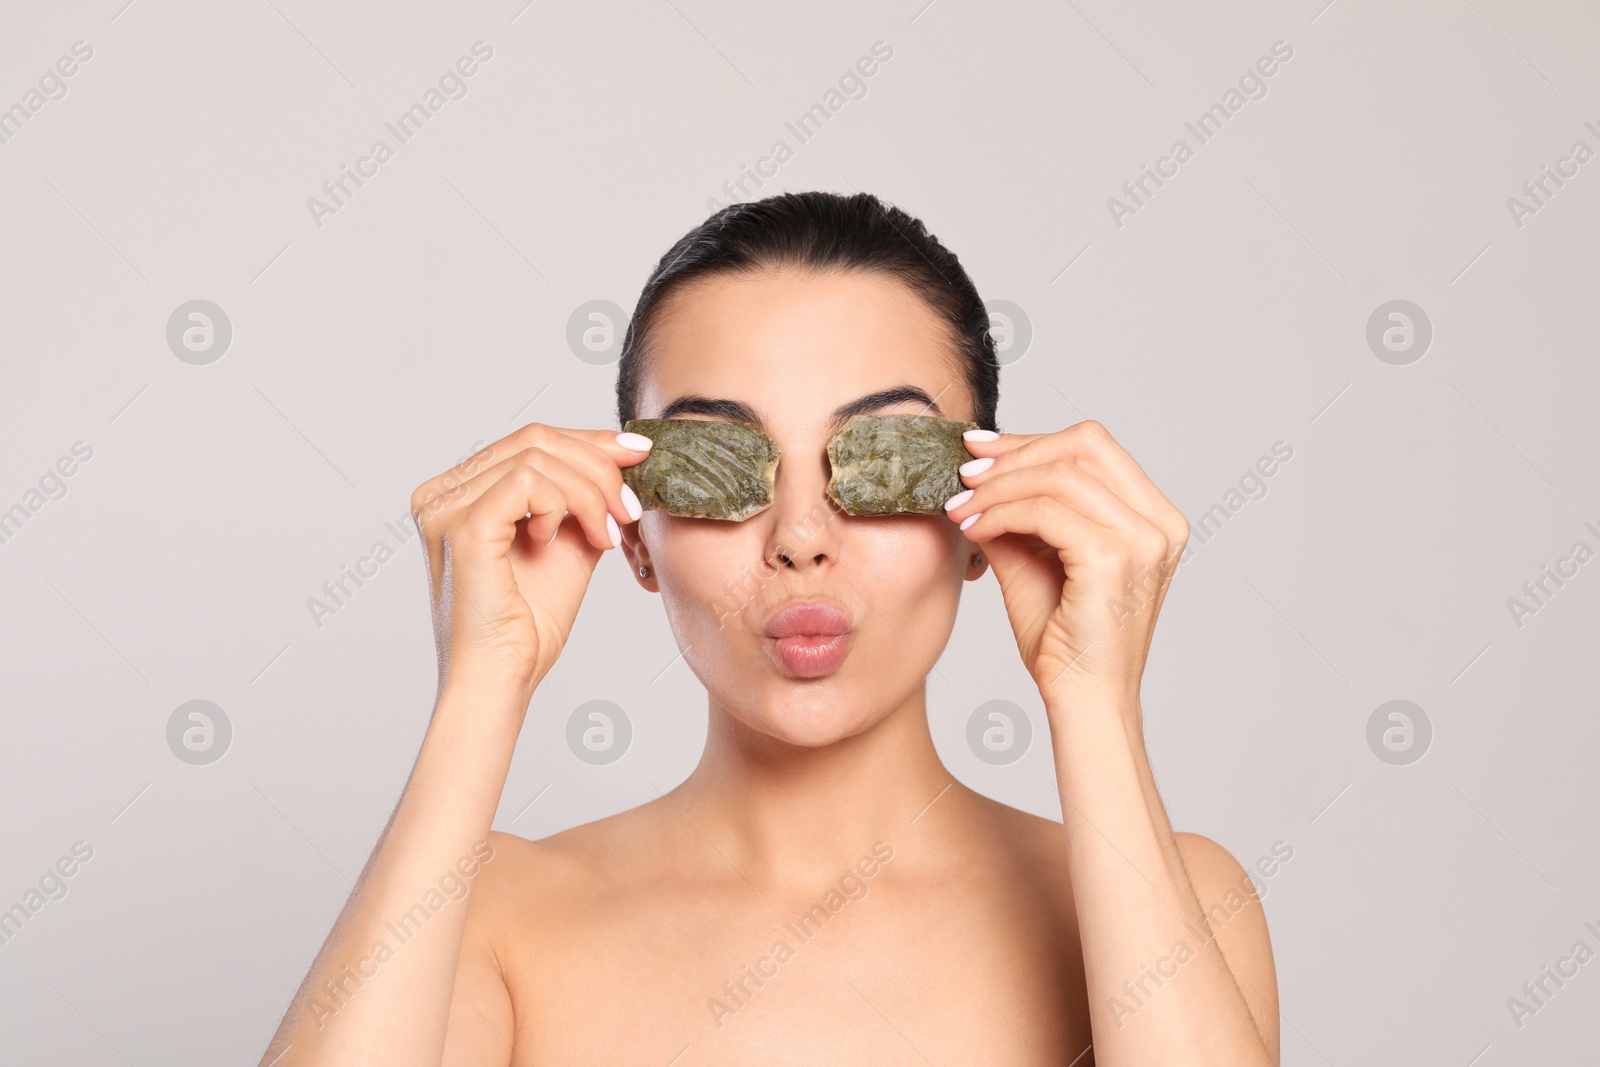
(820, 889)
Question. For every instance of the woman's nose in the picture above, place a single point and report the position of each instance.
(804, 530)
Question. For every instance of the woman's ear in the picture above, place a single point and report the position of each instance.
(976, 565)
(637, 553)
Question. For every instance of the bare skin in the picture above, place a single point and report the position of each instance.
(819, 889)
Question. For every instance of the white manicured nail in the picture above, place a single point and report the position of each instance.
(638, 442)
(970, 519)
(616, 534)
(630, 500)
(959, 499)
(977, 466)
(981, 435)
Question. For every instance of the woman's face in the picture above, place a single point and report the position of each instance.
(794, 348)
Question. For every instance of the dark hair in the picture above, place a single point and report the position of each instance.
(821, 231)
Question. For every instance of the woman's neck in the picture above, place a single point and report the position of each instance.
(795, 812)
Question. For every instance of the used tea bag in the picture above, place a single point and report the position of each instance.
(702, 469)
(897, 464)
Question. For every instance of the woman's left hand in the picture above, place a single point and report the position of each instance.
(1083, 544)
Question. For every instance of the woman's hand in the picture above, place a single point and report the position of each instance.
(1083, 544)
(507, 571)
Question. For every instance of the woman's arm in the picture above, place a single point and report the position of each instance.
(1176, 955)
(378, 991)
(507, 575)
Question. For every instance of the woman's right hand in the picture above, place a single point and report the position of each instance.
(512, 536)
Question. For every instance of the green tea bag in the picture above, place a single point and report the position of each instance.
(897, 464)
(702, 469)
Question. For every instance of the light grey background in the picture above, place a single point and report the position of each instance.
(431, 312)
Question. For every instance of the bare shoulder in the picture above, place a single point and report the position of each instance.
(1209, 862)
(1226, 892)
(1233, 911)
(532, 893)
(1034, 835)
(597, 857)
(1024, 848)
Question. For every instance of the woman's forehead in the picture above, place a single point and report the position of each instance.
(800, 344)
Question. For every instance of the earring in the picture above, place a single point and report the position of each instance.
(644, 572)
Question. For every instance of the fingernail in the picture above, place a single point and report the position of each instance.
(630, 500)
(616, 534)
(976, 466)
(981, 435)
(638, 442)
(959, 499)
(970, 519)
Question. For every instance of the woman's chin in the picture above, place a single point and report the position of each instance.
(811, 723)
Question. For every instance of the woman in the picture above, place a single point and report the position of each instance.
(820, 890)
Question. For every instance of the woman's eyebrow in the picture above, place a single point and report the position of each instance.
(727, 410)
(737, 411)
(900, 394)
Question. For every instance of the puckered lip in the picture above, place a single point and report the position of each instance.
(817, 616)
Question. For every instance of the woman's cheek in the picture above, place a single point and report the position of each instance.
(912, 575)
(713, 580)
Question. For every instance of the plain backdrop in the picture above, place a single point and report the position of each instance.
(1222, 313)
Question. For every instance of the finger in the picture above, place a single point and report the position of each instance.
(1068, 483)
(624, 449)
(621, 448)
(1077, 539)
(435, 494)
(580, 497)
(542, 524)
(993, 443)
(1114, 465)
(521, 495)
(1011, 450)
(599, 455)
(1101, 454)
(439, 510)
